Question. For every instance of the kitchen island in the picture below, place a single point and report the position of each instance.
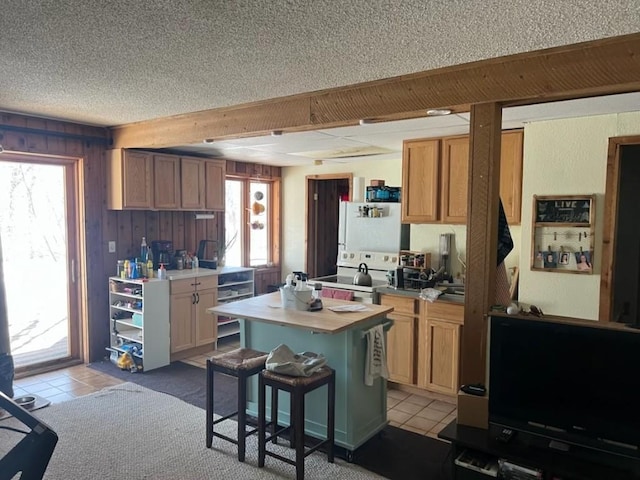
(361, 411)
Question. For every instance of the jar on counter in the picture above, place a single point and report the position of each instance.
(180, 263)
(120, 269)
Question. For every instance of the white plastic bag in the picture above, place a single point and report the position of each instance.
(283, 360)
(430, 294)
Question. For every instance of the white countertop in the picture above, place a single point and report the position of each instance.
(202, 272)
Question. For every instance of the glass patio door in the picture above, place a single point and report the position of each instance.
(39, 245)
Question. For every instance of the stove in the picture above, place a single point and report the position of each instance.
(378, 264)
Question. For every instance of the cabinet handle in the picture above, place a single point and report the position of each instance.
(197, 298)
(193, 299)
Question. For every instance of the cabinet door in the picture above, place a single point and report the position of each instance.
(206, 323)
(420, 159)
(215, 176)
(442, 342)
(511, 175)
(129, 179)
(400, 349)
(192, 183)
(166, 182)
(182, 321)
(455, 179)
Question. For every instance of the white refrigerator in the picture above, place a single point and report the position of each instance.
(372, 234)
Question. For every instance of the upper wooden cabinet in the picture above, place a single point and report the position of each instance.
(420, 177)
(159, 181)
(435, 178)
(166, 181)
(192, 183)
(129, 180)
(215, 176)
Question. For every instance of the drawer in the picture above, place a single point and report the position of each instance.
(210, 281)
(184, 285)
(450, 312)
(188, 285)
(406, 305)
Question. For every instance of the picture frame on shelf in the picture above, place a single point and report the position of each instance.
(564, 258)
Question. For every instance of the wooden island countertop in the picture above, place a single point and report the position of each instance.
(268, 308)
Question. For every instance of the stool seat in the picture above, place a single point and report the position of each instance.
(318, 378)
(240, 363)
(241, 359)
(297, 387)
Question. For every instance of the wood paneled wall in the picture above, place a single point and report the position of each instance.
(125, 227)
(87, 143)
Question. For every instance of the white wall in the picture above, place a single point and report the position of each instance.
(423, 237)
(567, 157)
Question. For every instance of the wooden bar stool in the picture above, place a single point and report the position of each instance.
(297, 387)
(241, 363)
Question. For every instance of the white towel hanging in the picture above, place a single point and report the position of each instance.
(376, 359)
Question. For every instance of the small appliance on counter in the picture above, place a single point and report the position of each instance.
(163, 253)
(208, 254)
(296, 294)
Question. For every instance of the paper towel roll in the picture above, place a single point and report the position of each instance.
(358, 189)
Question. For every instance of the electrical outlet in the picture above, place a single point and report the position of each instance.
(112, 246)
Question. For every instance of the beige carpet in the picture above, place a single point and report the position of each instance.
(130, 432)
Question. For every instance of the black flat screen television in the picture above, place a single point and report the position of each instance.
(576, 384)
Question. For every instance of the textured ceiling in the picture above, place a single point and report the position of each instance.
(115, 62)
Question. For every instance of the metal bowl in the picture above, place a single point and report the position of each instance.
(26, 402)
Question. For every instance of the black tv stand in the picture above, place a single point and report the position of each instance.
(534, 453)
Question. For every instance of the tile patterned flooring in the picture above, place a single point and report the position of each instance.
(425, 414)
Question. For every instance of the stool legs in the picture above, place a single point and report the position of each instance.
(331, 416)
(209, 405)
(262, 434)
(297, 432)
(242, 416)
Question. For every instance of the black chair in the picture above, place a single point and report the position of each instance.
(32, 454)
(297, 387)
(241, 363)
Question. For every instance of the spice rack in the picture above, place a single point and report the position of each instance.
(562, 233)
(139, 321)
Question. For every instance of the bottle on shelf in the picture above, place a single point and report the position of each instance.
(144, 250)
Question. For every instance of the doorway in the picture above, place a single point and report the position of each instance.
(620, 281)
(324, 193)
(38, 230)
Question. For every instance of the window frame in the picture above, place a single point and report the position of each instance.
(272, 219)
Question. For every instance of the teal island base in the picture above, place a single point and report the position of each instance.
(361, 410)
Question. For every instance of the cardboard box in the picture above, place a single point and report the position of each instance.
(377, 183)
(473, 410)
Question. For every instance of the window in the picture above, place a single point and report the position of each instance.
(250, 223)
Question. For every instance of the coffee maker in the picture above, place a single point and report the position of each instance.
(162, 251)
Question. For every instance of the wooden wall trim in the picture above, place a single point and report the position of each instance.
(610, 224)
(592, 68)
(482, 237)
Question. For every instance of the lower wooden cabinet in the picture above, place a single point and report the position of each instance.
(439, 333)
(423, 346)
(191, 325)
(401, 357)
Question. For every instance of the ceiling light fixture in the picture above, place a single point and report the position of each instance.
(366, 121)
(438, 112)
(208, 140)
(276, 133)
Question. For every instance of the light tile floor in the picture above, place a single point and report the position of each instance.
(425, 414)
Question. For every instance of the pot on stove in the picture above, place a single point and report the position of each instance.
(362, 278)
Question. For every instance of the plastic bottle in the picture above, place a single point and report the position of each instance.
(162, 272)
(195, 262)
(144, 250)
(149, 269)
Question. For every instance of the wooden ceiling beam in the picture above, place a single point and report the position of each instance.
(599, 67)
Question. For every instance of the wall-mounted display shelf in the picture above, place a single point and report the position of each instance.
(562, 233)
